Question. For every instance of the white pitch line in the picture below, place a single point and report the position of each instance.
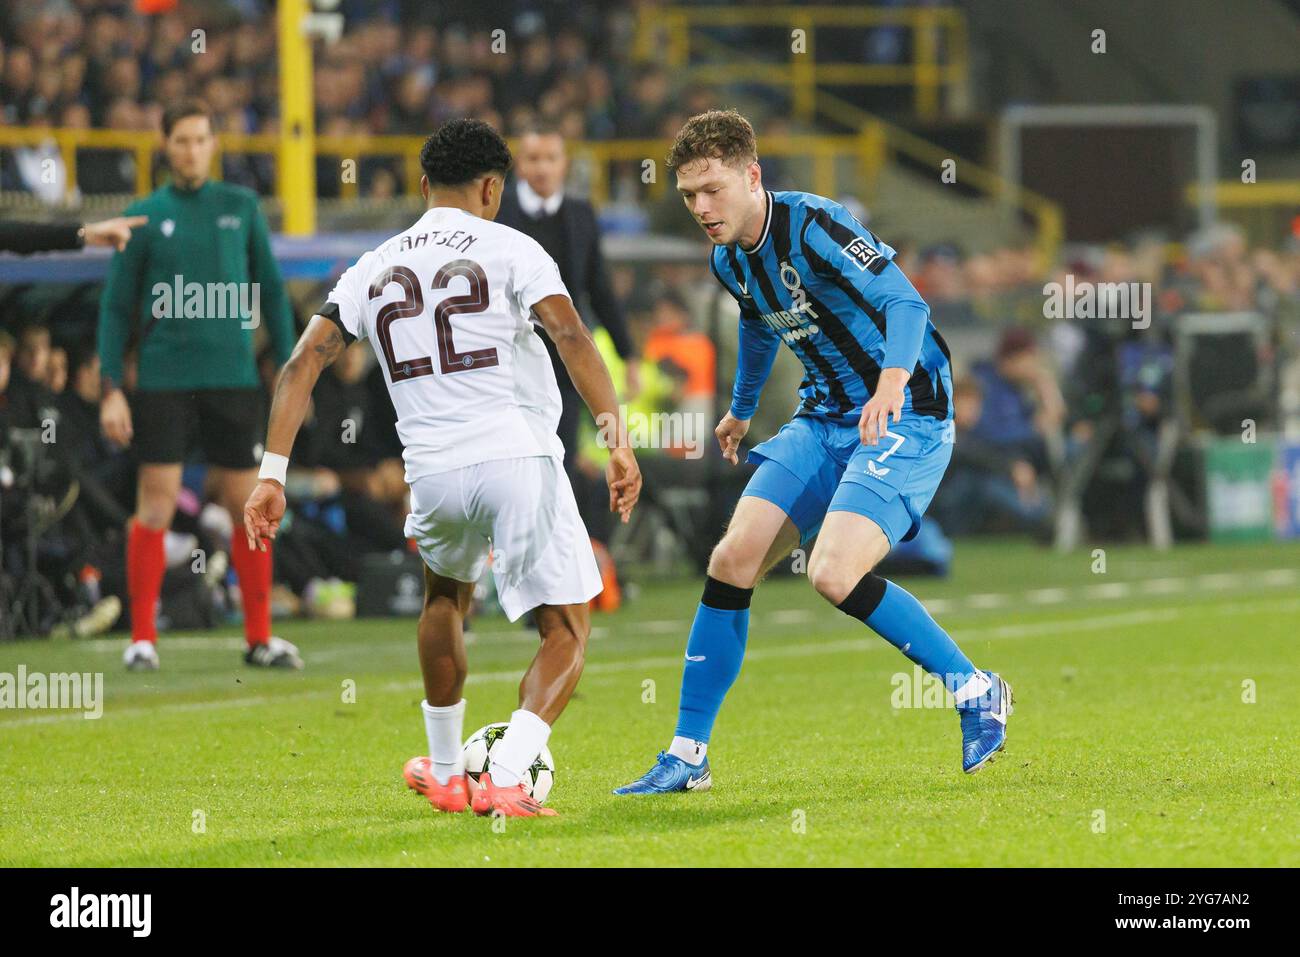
(1221, 580)
(664, 626)
(1046, 629)
(1110, 590)
(1276, 577)
(185, 642)
(791, 616)
(1165, 586)
(1094, 623)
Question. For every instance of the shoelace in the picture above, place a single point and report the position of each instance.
(661, 761)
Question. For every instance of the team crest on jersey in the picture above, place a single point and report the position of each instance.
(168, 227)
(862, 253)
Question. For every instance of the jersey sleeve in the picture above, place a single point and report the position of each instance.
(536, 275)
(345, 306)
(758, 348)
(841, 249)
(119, 303)
(757, 352)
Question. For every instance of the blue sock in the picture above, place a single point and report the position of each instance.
(714, 652)
(894, 614)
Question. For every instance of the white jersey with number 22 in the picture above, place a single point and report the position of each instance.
(447, 305)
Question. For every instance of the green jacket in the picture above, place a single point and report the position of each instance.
(190, 288)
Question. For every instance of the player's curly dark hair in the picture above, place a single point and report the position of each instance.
(460, 151)
(718, 134)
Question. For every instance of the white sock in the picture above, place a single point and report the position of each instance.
(518, 749)
(443, 727)
(690, 751)
(976, 686)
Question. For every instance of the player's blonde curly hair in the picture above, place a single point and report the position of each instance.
(718, 134)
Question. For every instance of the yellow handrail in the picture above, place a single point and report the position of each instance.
(1268, 211)
(837, 164)
(804, 76)
(295, 162)
(824, 150)
(1231, 192)
(69, 140)
(665, 34)
(146, 144)
(1048, 217)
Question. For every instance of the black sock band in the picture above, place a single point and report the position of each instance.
(865, 597)
(726, 597)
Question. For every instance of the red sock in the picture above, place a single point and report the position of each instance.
(145, 565)
(253, 568)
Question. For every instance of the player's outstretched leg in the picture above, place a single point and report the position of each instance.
(850, 545)
(760, 533)
(545, 690)
(440, 776)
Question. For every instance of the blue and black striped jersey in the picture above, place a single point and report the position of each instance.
(823, 284)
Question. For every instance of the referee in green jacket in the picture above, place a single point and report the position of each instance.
(188, 292)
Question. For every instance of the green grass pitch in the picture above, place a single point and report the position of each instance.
(1131, 743)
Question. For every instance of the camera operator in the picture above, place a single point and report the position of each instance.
(58, 510)
(104, 472)
(28, 401)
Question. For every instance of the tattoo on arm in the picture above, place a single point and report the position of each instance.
(331, 348)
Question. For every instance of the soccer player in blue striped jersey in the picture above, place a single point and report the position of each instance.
(857, 465)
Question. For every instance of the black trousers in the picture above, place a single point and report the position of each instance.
(590, 492)
(571, 410)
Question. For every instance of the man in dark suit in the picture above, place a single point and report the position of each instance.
(566, 228)
(20, 237)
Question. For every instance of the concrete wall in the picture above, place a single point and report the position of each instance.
(1158, 51)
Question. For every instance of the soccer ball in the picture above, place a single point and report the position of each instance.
(538, 779)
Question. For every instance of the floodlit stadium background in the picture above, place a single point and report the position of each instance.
(994, 166)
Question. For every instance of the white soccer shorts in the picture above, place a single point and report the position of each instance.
(523, 511)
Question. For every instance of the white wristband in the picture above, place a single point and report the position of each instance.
(274, 467)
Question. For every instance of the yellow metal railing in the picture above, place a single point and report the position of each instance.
(1267, 211)
(295, 166)
(671, 35)
(1234, 194)
(146, 147)
(598, 157)
(69, 141)
(881, 140)
(823, 154)
(831, 165)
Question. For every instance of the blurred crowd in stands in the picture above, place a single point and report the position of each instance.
(1034, 397)
(1052, 407)
(400, 68)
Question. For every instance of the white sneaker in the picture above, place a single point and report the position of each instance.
(218, 564)
(141, 656)
(275, 653)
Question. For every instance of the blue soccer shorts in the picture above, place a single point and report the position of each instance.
(814, 466)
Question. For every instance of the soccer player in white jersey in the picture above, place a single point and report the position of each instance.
(447, 306)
